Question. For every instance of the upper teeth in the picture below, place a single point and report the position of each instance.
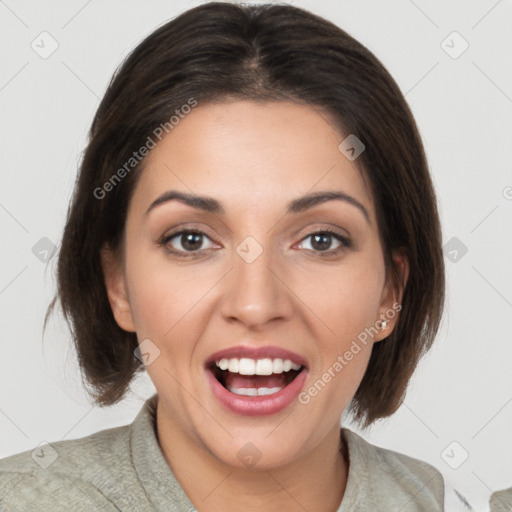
(245, 366)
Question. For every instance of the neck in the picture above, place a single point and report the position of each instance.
(316, 481)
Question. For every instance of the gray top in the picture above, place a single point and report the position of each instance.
(501, 501)
(123, 468)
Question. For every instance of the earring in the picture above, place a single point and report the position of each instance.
(383, 325)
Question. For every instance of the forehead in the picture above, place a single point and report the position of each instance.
(249, 153)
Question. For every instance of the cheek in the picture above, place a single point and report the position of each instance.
(346, 300)
(167, 309)
(170, 303)
(159, 295)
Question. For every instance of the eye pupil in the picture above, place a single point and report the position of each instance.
(321, 241)
(190, 241)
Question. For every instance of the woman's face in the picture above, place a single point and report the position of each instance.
(264, 277)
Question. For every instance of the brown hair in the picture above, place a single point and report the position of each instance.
(263, 53)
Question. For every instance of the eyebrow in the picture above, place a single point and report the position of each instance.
(211, 205)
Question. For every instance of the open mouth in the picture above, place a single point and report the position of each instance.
(255, 377)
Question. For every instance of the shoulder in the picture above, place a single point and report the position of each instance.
(501, 501)
(393, 479)
(68, 475)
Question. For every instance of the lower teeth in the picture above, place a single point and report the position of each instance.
(254, 391)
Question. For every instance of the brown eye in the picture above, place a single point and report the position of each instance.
(191, 241)
(185, 242)
(322, 241)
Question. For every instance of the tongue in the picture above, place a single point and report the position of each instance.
(235, 380)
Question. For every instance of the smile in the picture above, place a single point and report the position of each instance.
(256, 385)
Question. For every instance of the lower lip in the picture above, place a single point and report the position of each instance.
(257, 405)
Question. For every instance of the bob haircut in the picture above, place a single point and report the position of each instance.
(221, 52)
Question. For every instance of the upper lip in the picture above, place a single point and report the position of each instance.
(268, 351)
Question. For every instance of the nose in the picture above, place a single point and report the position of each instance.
(255, 293)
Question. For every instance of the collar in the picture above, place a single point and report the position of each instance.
(156, 477)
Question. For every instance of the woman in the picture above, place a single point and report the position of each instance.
(255, 225)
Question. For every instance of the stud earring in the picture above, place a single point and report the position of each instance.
(383, 325)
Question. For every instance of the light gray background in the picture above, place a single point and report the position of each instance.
(462, 390)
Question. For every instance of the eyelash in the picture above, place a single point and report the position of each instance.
(164, 241)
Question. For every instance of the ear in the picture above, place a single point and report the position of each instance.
(391, 299)
(115, 284)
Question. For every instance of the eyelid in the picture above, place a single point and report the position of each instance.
(190, 227)
(319, 227)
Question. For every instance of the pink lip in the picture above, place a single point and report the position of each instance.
(257, 405)
(271, 352)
